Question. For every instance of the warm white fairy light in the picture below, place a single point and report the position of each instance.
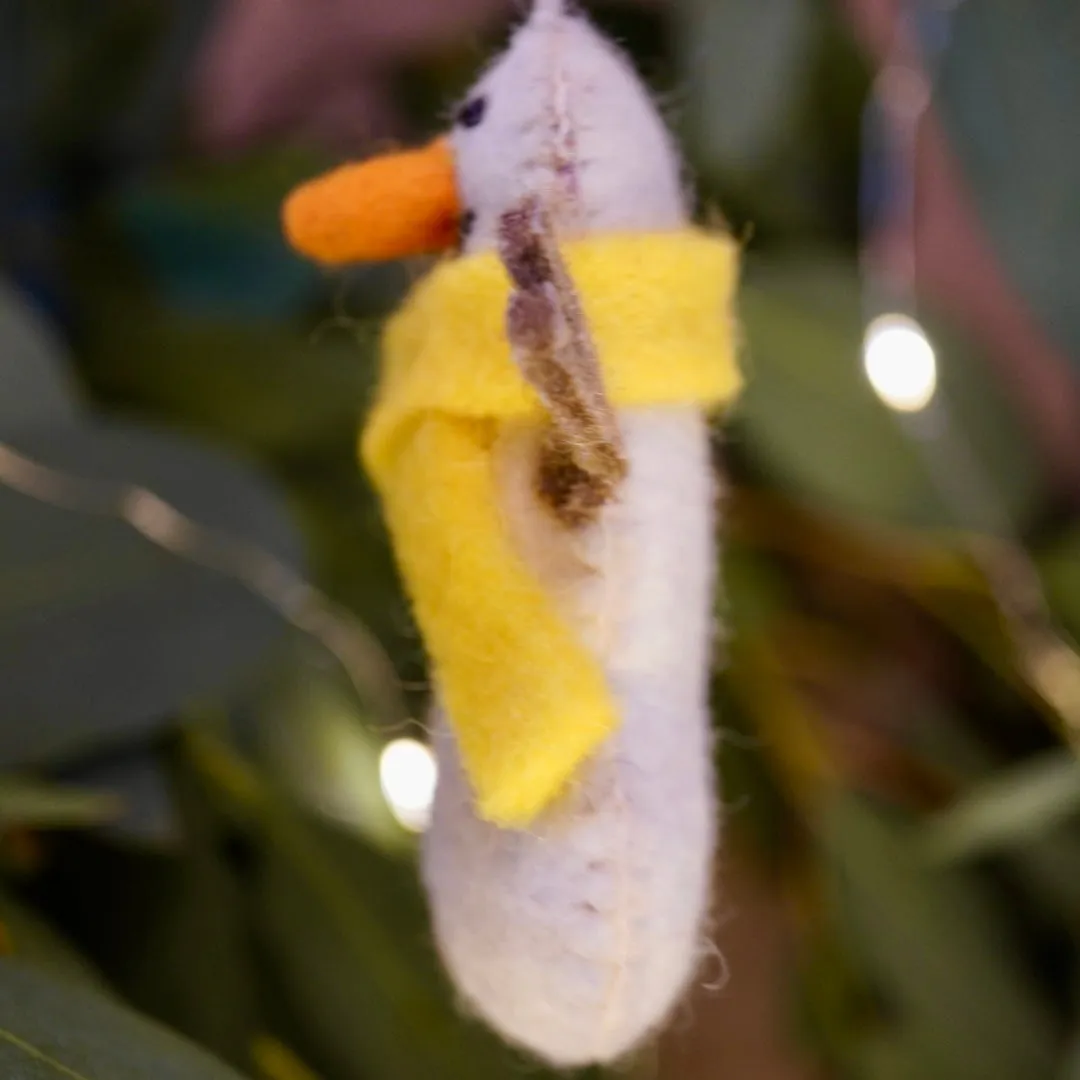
(899, 362)
(407, 775)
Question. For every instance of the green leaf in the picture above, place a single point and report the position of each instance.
(213, 261)
(1071, 1066)
(348, 947)
(747, 63)
(1059, 566)
(103, 634)
(1048, 865)
(30, 940)
(61, 1031)
(347, 935)
(1007, 809)
(35, 388)
(261, 389)
(190, 961)
(931, 945)
(275, 388)
(318, 740)
(1007, 92)
(772, 113)
(137, 779)
(168, 927)
(37, 804)
(810, 418)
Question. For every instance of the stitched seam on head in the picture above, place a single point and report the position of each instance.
(564, 201)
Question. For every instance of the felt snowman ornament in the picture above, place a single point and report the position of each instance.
(540, 445)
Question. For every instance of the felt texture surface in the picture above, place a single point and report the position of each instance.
(527, 699)
(568, 120)
(385, 208)
(576, 936)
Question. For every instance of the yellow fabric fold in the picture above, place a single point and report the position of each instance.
(526, 699)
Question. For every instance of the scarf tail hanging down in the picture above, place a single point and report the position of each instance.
(527, 701)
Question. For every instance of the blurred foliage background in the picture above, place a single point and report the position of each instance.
(192, 708)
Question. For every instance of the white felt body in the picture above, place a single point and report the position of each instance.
(575, 938)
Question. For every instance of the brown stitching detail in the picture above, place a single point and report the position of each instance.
(582, 460)
(575, 495)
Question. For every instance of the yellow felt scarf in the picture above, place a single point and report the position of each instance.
(526, 700)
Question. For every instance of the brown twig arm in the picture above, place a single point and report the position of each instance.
(582, 462)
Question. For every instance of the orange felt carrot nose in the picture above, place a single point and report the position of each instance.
(391, 206)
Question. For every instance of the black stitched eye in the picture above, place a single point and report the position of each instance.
(465, 224)
(471, 114)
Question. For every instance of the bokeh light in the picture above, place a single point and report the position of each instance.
(900, 363)
(407, 774)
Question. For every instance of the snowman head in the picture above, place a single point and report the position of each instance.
(560, 117)
(563, 117)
